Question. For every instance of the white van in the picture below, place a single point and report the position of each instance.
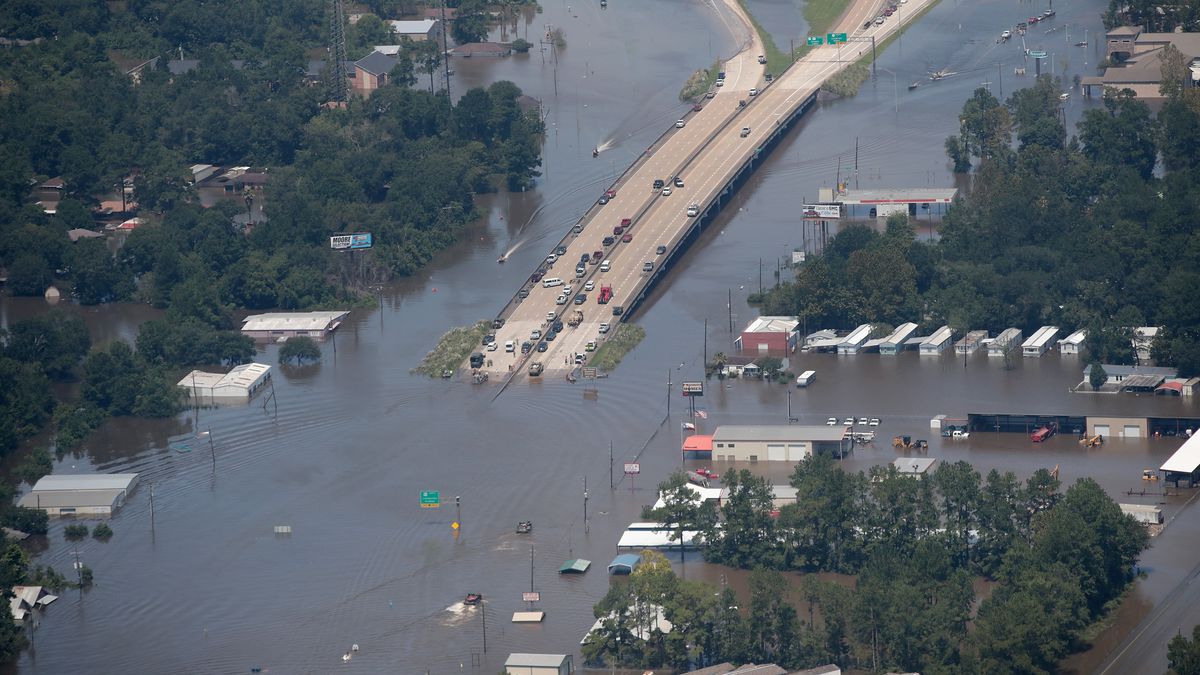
(510, 347)
(551, 282)
(605, 266)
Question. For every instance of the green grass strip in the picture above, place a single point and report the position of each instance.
(624, 338)
(453, 349)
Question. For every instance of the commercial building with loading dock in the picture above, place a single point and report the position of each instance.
(777, 443)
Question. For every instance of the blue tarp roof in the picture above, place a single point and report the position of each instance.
(624, 563)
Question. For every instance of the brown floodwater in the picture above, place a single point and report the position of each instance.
(206, 586)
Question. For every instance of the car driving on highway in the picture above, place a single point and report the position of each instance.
(745, 131)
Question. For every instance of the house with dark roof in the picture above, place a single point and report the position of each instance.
(371, 71)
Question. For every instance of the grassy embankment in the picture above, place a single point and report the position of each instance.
(609, 354)
(700, 82)
(847, 82)
(454, 348)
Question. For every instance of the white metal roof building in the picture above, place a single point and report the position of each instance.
(855, 340)
(278, 326)
(1184, 465)
(80, 494)
(894, 343)
(1039, 342)
(237, 386)
(1005, 340)
(1073, 343)
(937, 343)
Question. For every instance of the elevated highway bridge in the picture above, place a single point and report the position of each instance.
(713, 152)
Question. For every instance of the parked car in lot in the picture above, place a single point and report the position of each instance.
(832, 421)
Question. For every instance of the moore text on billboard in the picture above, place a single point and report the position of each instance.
(351, 242)
(822, 211)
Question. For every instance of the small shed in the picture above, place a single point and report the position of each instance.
(624, 563)
(539, 664)
(575, 566)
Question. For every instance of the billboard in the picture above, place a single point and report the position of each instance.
(693, 388)
(633, 469)
(350, 242)
(822, 211)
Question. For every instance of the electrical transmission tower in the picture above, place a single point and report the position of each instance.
(337, 51)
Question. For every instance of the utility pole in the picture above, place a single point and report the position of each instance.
(212, 450)
(1000, 80)
(706, 342)
(760, 276)
(458, 512)
(483, 616)
(729, 306)
(152, 507)
(668, 392)
(610, 466)
(585, 500)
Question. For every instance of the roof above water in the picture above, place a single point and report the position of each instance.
(777, 432)
(899, 196)
(85, 481)
(292, 321)
(1186, 459)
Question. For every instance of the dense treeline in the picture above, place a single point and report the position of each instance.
(402, 164)
(1094, 231)
(55, 348)
(1053, 562)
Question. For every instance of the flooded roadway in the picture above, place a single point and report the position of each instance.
(357, 437)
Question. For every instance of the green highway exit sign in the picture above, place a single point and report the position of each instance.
(834, 38)
(430, 499)
(816, 41)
